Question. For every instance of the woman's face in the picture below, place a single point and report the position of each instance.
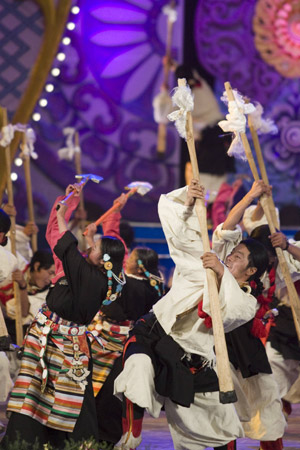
(42, 277)
(95, 254)
(132, 265)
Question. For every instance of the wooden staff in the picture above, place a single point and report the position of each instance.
(227, 393)
(262, 168)
(26, 162)
(3, 328)
(162, 127)
(78, 168)
(77, 158)
(10, 195)
(292, 293)
(112, 209)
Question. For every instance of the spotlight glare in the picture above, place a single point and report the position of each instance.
(43, 102)
(66, 40)
(70, 26)
(49, 87)
(14, 176)
(55, 72)
(75, 10)
(18, 162)
(61, 56)
(36, 116)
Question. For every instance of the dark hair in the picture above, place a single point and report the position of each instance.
(259, 259)
(126, 233)
(44, 257)
(184, 71)
(149, 258)
(261, 234)
(297, 236)
(5, 224)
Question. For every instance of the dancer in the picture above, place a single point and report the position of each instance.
(52, 399)
(282, 346)
(111, 326)
(169, 356)
(259, 405)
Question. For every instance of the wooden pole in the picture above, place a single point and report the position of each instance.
(3, 328)
(292, 293)
(227, 393)
(162, 127)
(19, 326)
(26, 162)
(262, 168)
(77, 158)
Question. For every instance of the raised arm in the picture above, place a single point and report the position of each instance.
(280, 240)
(235, 215)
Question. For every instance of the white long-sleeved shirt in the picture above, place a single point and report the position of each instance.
(182, 231)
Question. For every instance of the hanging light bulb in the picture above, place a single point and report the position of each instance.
(36, 117)
(70, 26)
(61, 56)
(49, 87)
(43, 102)
(18, 162)
(66, 40)
(14, 176)
(75, 10)
(55, 71)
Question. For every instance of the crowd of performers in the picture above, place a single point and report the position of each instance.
(105, 341)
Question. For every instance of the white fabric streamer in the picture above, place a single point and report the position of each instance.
(28, 148)
(68, 151)
(183, 98)
(261, 125)
(171, 13)
(8, 132)
(236, 122)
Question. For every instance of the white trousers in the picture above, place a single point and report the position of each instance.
(206, 423)
(259, 406)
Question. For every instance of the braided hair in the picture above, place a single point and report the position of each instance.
(258, 258)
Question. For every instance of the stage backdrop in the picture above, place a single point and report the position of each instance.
(112, 70)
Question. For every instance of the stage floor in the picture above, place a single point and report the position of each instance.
(156, 434)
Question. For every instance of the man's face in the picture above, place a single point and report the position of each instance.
(42, 277)
(237, 263)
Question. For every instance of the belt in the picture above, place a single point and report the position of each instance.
(115, 328)
(68, 330)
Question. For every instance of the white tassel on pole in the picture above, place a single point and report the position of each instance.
(260, 124)
(28, 144)
(171, 13)
(236, 123)
(8, 132)
(184, 99)
(70, 149)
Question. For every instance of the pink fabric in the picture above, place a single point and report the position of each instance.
(220, 205)
(53, 234)
(223, 202)
(111, 227)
